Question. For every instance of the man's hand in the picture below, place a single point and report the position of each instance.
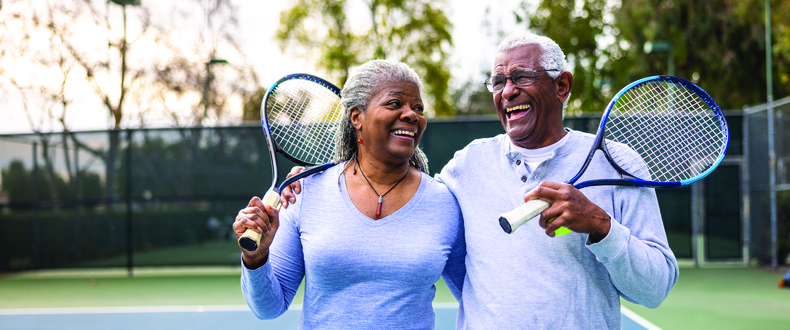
(570, 209)
(288, 194)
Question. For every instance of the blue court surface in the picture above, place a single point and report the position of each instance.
(198, 317)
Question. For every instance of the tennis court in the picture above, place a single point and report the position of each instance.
(210, 298)
(108, 234)
(193, 317)
(206, 298)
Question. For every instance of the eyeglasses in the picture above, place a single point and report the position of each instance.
(520, 78)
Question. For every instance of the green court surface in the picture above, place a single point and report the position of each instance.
(148, 287)
(722, 298)
(704, 298)
(114, 288)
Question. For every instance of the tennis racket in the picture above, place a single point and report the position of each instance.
(657, 132)
(300, 115)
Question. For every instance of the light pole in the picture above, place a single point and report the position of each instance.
(662, 46)
(771, 140)
(127, 2)
(207, 82)
(129, 216)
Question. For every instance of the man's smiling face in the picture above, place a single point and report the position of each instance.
(529, 114)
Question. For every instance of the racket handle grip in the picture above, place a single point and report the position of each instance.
(509, 221)
(251, 239)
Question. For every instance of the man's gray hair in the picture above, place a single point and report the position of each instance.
(364, 82)
(552, 56)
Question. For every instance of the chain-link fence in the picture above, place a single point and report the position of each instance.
(767, 142)
(167, 197)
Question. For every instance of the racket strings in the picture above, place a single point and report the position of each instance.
(679, 138)
(303, 117)
(662, 127)
(668, 171)
(673, 130)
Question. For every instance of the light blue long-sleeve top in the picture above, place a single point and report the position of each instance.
(527, 280)
(359, 273)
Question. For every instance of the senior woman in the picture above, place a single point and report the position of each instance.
(369, 236)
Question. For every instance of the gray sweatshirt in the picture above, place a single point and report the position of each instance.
(527, 280)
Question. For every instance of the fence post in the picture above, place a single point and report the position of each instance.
(772, 182)
(746, 212)
(36, 205)
(698, 222)
(129, 236)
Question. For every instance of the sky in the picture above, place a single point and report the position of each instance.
(258, 20)
(472, 45)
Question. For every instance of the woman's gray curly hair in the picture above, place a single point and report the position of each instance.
(363, 83)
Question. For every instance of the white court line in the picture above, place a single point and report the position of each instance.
(124, 310)
(638, 319)
(152, 309)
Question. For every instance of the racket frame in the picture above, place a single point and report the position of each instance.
(250, 239)
(510, 221)
(273, 147)
(629, 179)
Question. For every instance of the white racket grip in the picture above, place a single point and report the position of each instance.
(251, 239)
(509, 221)
(272, 198)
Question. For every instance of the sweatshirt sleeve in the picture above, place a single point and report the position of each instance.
(455, 269)
(270, 289)
(636, 253)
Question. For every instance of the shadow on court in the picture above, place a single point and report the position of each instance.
(236, 317)
(192, 317)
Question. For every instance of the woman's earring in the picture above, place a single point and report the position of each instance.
(359, 141)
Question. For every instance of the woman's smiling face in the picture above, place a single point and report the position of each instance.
(393, 124)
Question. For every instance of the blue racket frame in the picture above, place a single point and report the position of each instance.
(272, 145)
(630, 179)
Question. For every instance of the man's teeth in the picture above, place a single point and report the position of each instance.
(518, 108)
(402, 132)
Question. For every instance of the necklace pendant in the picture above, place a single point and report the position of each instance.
(378, 207)
(381, 197)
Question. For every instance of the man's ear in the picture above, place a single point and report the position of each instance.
(564, 84)
(357, 116)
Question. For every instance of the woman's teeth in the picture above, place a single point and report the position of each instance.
(404, 133)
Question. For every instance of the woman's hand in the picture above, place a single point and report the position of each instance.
(260, 218)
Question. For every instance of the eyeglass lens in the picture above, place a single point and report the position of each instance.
(519, 77)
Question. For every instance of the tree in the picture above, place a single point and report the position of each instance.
(210, 63)
(780, 27)
(576, 26)
(416, 32)
(252, 107)
(129, 59)
(473, 99)
(718, 44)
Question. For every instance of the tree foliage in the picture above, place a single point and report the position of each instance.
(718, 44)
(123, 60)
(416, 32)
(27, 186)
(473, 99)
(577, 28)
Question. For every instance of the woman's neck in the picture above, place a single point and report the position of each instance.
(381, 173)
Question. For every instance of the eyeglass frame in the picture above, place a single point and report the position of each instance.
(490, 86)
